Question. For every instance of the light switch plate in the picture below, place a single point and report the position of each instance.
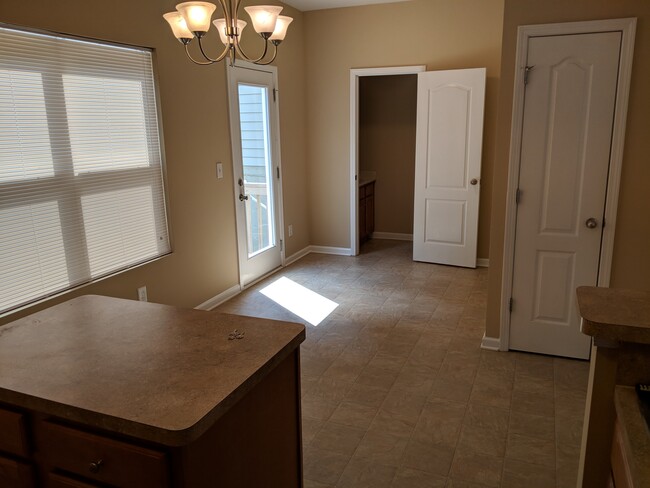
(219, 170)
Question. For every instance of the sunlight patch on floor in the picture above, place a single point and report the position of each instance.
(303, 302)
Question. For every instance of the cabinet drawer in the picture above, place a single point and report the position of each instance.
(103, 459)
(57, 481)
(15, 474)
(14, 435)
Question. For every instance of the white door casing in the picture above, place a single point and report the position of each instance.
(449, 139)
(355, 74)
(263, 253)
(569, 107)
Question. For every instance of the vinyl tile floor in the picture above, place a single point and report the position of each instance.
(396, 391)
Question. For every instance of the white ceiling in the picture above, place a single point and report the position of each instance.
(305, 5)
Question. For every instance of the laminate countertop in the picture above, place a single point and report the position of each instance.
(151, 371)
(615, 314)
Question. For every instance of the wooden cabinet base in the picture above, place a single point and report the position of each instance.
(256, 443)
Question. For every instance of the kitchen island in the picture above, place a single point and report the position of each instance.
(100, 391)
(615, 440)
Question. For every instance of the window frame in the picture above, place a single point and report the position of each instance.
(41, 189)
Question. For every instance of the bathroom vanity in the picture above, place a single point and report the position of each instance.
(100, 391)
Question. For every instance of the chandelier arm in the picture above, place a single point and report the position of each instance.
(200, 63)
(226, 11)
(208, 58)
(265, 63)
(248, 58)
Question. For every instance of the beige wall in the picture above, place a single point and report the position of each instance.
(442, 34)
(631, 266)
(196, 135)
(387, 110)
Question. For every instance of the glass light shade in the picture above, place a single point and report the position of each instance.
(264, 17)
(197, 15)
(178, 25)
(281, 27)
(220, 24)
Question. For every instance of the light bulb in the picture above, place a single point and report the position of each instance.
(197, 15)
(264, 18)
(281, 27)
(220, 24)
(178, 25)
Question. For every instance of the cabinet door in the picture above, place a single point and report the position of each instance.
(363, 233)
(370, 214)
(15, 474)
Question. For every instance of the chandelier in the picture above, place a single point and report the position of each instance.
(192, 19)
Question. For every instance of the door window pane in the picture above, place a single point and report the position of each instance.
(256, 157)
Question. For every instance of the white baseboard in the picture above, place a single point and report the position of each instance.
(392, 236)
(296, 256)
(338, 251)
(491, 343)
(483, 263)
(222, 297)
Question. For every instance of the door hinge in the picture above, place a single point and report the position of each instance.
(275, 91)
(277, 172)
(510, 304)
(527, 71)
(517, 196)
(281, 245)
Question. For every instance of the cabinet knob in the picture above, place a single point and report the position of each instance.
(95, 466)
(473, 181)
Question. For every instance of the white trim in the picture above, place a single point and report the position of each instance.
(491, 343)
(354, 138)
(337, 251)
(628, 29)
(222, 297)
(394, 236)
(483, 263)
(296, 256)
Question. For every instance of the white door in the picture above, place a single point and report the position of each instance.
(449, 137)
(567, 131)
(255, 135)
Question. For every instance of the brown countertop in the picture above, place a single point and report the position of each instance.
(636, 436)
(615, 314)
(155, 372)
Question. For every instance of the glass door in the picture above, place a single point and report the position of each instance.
(256, 170)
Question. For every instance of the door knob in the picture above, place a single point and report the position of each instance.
(591, 223)
(473, 181)
(242, 197)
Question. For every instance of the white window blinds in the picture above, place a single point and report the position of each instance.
(81, 190)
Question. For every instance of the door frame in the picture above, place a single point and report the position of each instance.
(276, 152)
(627, 27)
(355, 74)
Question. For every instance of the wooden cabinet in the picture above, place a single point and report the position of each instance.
(366, 211)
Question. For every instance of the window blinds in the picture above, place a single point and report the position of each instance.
(81, 189)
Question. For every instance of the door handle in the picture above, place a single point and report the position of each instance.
(473, 181)
(591, 223)
(242, 197)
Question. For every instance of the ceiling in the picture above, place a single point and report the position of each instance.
(305, 5)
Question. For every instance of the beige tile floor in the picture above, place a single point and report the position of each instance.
(396, 391)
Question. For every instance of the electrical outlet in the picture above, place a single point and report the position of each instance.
(219, 170)
(142, 293)
(290, 230)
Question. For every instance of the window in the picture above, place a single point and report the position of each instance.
(81, 189)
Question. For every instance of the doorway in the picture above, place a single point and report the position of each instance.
(568, 127)
(360, 174)
(254, 129)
